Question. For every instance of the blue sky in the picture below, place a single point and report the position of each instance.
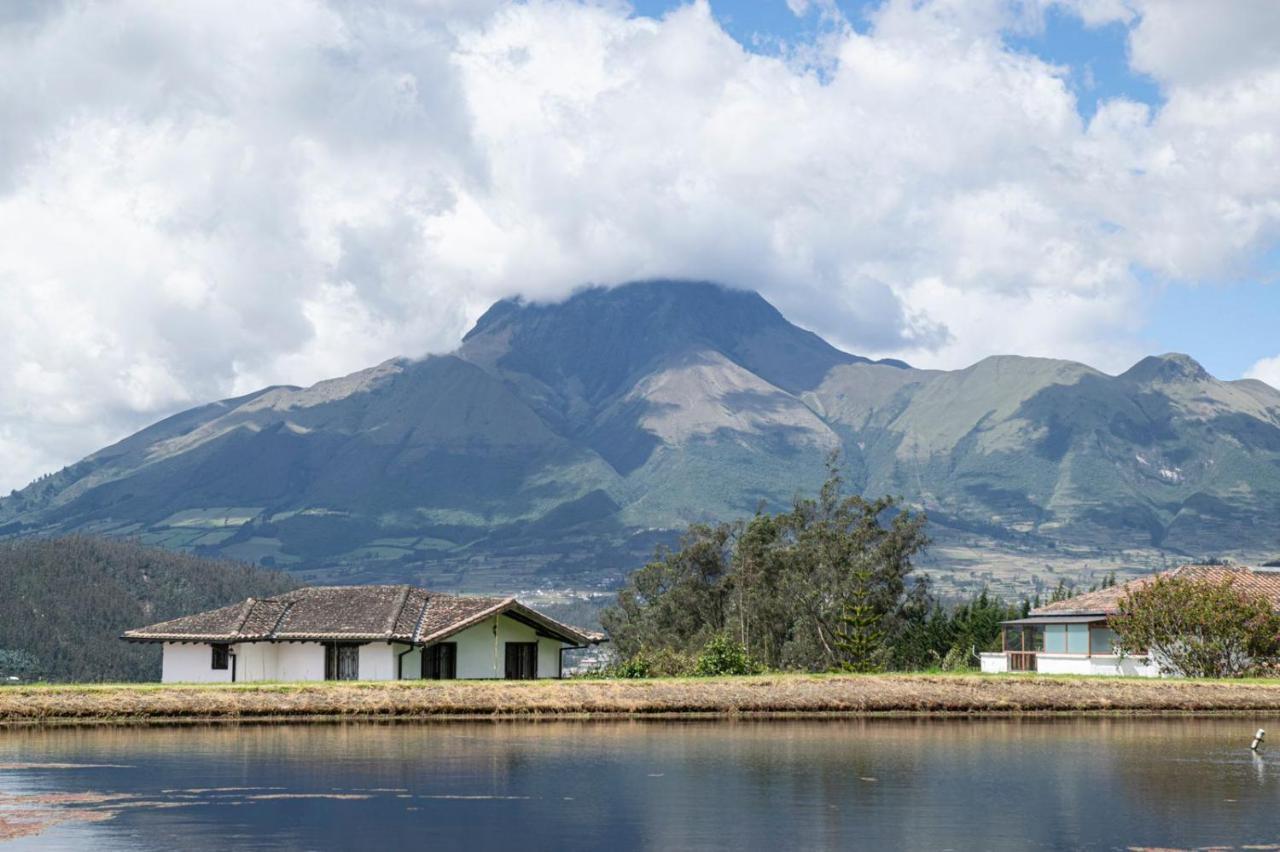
(1096, 55)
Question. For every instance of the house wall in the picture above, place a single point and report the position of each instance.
(411, 665)
(256, 661)
(183, 663)
(1108, 664)
(378, 660)
(299, 661)
(1127, 666)
(994, 663)
(1062, 664)
(481, 654)
(1078, 664)
(549, 657)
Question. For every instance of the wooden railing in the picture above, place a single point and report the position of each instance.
(1022, 661)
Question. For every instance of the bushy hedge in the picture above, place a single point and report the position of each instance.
(724, 656)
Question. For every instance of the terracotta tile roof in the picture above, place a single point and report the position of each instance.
(1107, 601)
(446, 611)
(359, 613)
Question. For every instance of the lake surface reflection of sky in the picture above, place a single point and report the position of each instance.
(872, 784)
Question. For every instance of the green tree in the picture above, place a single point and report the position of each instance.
(679, 600)
(840, 552)
(783, 584)
(1199, 627)
(925, 633)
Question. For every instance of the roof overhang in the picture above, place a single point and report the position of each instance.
(517, 611)
(1074, 618)
(177, 632)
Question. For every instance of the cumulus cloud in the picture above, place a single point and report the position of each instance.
(201, 199)
(1266, 370)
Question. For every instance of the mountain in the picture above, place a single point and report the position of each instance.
(50, 629)
(560, 442)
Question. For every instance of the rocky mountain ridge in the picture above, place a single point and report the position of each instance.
(560, 442)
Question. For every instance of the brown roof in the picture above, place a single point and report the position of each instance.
(1107, 601)
(392, 613)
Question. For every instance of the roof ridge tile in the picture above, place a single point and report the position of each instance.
(396, 608)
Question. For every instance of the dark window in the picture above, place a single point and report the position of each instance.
(522, 660)
(440, 662)
(341, 662)
(221, 656)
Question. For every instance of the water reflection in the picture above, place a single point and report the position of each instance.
(878, 783)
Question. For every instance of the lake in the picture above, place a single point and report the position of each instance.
(785, 784)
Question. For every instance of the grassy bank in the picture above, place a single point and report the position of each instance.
(765, 694)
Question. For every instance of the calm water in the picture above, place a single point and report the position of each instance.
(870, 784)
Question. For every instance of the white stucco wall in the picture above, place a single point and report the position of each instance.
(1128, 666)
(549, 657)
(378, 660)
(1075, 664)
(481, 654)
(299, 661)
(1061, 664)
(411, 665)
(184, 663)
(256, 661)
(994, 663)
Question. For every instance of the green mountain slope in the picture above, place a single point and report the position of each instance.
(560, 442)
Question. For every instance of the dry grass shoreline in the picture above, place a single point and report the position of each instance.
(777, 694)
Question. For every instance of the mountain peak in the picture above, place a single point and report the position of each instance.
(1169, 368)
(599, 339)
(644, 297)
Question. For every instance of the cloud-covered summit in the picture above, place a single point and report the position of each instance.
(198, 200)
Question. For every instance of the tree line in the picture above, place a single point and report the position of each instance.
(827, 585)
(65, 601)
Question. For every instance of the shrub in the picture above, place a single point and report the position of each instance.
(637, 666)
(1199, 627)
(958, 659)
(724, 656)
(660, 662)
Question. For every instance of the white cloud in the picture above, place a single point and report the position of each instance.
(1187, 43)
(1266, 370)
(200, 199)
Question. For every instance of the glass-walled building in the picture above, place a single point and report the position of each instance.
(1079, 643)
(1072, 636)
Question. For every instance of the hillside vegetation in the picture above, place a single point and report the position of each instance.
(64, 603)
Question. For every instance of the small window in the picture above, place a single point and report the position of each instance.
(221, 656)
(1102, 640)
(342, 661)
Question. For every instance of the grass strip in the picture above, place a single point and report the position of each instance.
(783, 694)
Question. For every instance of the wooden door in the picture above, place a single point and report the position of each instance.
(522, 660)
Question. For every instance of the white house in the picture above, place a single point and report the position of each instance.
(363, 633)
(1072, 637)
